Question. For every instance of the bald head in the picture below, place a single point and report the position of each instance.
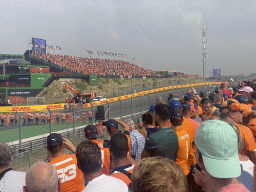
(42, 177)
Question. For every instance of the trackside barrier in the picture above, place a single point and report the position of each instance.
(139, 94)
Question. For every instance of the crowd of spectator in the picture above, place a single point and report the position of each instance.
(198, 143)
(93, 66)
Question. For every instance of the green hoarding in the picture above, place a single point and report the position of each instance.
(39, 79)
(93, 80)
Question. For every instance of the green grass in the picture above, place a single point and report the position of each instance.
(31, 131)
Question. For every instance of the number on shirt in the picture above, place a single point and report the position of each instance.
(71, 170)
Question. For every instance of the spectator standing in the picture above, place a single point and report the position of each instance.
(223, 87)
(217, 155)
(208, 110)
(148, 123)
(164, 142)
(137, 141)
(231, 111)
(37, 118)
(42, 177)
(91, 134)
(10, 180)
(156, 174)
(66, 165)
(83, 117)
(122, 168)
(89, 162)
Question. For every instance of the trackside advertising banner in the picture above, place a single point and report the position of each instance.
(96, 103)
(11, 109)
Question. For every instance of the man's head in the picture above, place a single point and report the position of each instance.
(186, 110)
(174, 104)
(88, 157)
(5, 156)
(158, 174)
(245, 91)
(176, 117)
(233, 109)
(162, 113)
(223, 85)
(217, 99)
(55, 143)
(130, 123)
(188, 97)
(118, 146)
(147, 118)
(217, 149)
(112, 126)
(208, 107)
(42, 177)
(91, 132)
(241, 99)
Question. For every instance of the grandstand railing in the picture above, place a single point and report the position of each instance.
(30, 150)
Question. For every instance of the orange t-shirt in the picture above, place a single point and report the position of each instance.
(70, 175)
(129, 142)
(184, 149)
(105, 157)
(248, 140)
(187, 126)
(122, 176)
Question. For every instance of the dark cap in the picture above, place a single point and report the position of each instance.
(186, 107)
(174, 104)
(188, 96)
(54, 140)
(111, 124)
(176, 115)
(91, 132)
(241, 99)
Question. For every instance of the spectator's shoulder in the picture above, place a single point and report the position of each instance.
(126, 133)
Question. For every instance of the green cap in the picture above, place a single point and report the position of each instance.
(218, 143)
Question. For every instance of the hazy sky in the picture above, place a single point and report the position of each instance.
(161, 34)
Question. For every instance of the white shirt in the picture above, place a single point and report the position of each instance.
(246, 177)
(13, 181)
(106, 183)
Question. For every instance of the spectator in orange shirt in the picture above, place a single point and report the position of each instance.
(24, 118)
(66, 165)
(42, 118)
(92, 134)
(83, 117)
(232, 111)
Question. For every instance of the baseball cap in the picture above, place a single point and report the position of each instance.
(226, 106)
(223, 84)
(176, 115)
(188, 96)
(218, 143)
(246, 89)
(54, 140)
(111, 124)
(152, 108)
(202, 94)
(186, 107)
(241, 99)
(91, 132)
(174, 104)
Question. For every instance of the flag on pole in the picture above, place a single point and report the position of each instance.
(58, 48)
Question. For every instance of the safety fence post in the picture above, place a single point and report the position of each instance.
(19, 130)
(50, 130)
